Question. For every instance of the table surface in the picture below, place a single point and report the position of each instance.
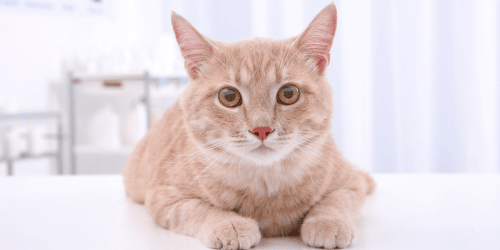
(408, 211)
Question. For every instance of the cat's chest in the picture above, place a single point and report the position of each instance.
(258, 189)
(276, 214)
(277, 207)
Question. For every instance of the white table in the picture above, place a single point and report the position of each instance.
(91, 212)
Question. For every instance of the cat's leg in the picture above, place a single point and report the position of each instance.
(330, 222)
(215, 227)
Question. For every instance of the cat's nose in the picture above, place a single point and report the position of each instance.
(262, 132)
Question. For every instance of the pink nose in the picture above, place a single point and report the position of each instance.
(262, 132)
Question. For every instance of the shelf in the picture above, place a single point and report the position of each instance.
(29, 157)
(16, 118)
(124, 150)
(124, 91)
(124, 78)
(30, 116)
(98, 79)
(129, 90)
(143, 86)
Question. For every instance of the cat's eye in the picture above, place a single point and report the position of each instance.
(288, 94)
(230, 97)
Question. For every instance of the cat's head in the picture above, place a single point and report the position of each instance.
(259, 99)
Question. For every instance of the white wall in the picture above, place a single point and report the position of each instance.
(34, 45)
(416, 82)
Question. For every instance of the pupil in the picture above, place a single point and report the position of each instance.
(230, 95)
(288, 93)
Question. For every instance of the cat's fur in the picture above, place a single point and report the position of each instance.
(197, 170)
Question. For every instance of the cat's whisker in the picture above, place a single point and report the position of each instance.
(313, 131)
(284, 56)
(320, 164)
(190, 160)
(319, 142)
(231, 59)
(314, 189)
(205, 146)
(295, 53)
(289, 59)
(220, 60)
(184, 163)
(202, 151)
(239, 164)
(203, 171)
(231, 62)
(208, 40)
(303, 143)
(199, 153)
(239, 141)
(234, 166)
(191, 156)
(325, 156)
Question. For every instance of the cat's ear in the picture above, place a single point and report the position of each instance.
(195, 48)
(316, 41)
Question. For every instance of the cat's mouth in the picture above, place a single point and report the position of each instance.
(263, 149)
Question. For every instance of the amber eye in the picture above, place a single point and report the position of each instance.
(288, 94)
(230, 97)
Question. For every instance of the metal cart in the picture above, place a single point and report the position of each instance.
(110, 82)
(38, 117)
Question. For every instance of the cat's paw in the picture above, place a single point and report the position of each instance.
(327, 233)
(233, 233)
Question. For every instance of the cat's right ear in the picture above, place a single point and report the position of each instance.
(195, 48)
(316, 41)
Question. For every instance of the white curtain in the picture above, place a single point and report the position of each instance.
(416, 82)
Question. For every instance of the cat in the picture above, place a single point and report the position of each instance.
(246, 151)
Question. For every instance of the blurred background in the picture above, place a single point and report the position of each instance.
(416, 82)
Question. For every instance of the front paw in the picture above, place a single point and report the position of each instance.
(327, 233)
(232, 233)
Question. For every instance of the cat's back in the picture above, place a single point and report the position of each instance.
(140, 167)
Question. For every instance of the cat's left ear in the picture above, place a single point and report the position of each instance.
(316, 41)
(195, 48)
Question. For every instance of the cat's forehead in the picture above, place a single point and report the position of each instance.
(257, 60)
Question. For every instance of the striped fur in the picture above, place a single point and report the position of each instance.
(199, 171)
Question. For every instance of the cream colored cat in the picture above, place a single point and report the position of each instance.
(247, 151)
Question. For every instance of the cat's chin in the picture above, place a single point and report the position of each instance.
(263, 156)
(263, 149)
